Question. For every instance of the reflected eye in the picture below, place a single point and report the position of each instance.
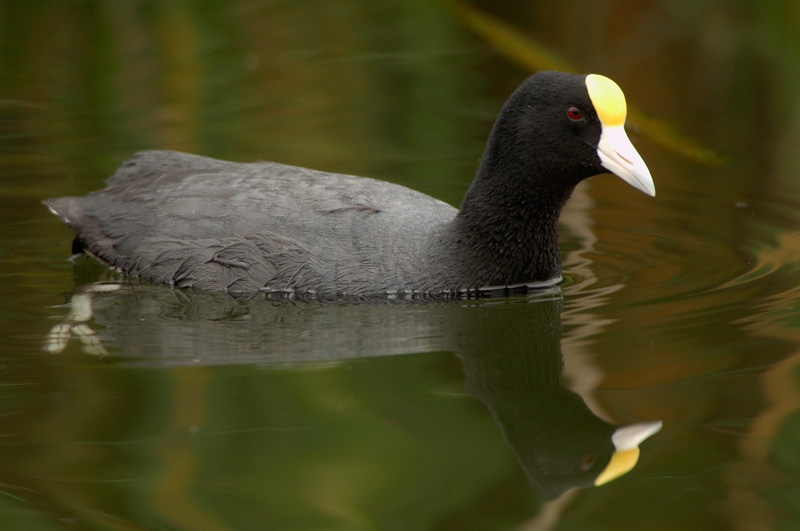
(588, 461)
(574, 113)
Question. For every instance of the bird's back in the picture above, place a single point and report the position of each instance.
(193, 221)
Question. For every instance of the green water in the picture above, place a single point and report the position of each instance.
(185, 411)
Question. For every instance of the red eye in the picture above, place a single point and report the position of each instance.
(588, 459)
(574, 113)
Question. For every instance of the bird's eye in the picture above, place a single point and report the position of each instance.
(574, 113)
(588, 461)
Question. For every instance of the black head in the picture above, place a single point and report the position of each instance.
(557, 129)
(554, 131)
(547, 129)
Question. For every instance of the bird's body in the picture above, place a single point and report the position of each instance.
(243, 228)
(263, 227)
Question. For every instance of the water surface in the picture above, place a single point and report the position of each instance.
(177, 410)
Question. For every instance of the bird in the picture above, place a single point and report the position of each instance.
(264, 228)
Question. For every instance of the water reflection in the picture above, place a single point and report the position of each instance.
(515, 367)
(510, 351)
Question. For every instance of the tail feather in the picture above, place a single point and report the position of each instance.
(71, 212)
(66, 208)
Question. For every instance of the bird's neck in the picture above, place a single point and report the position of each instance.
(508, 225)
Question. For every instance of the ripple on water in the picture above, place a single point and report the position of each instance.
(686, 295)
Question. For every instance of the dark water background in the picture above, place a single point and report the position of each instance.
(206, 413)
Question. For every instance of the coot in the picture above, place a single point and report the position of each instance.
(250, 228)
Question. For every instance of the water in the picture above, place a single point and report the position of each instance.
(187, 411)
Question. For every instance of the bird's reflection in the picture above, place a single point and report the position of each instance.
(515, 367)
(510, 350)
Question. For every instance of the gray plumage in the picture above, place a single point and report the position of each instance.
(262, 227)
(200, 223)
